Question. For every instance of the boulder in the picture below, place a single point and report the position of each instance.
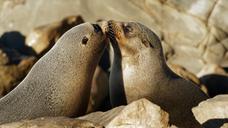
(212, 113)
(141, 113)
(52, 122)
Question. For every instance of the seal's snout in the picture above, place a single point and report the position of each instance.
(97, 28)
(110, 33)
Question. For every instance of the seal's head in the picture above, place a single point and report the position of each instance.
(132, 37)
(87, 39)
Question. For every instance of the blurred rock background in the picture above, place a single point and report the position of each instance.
(194, 35)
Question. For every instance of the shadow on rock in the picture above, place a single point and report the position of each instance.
(13, 44)
(215, 84)
(215, 123)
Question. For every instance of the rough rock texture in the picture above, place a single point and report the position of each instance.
(212, 69)
(225, 125)
(196, 30)
(212, 113)
(141, 114)
(52, 122)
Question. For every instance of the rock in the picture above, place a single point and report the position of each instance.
(42, 38)
(225, 125)
(218, 15)
(192, 64)
(190, 31)
(212, 69)
(215, 84)
(224, 62)
(213, 112)
(198, 8)
(225, 43)
(25, 16)
(214, 53)
(141, 113)
(168, 51)
(52, 122)
(183, 72)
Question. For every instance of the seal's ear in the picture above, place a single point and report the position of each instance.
(84, 40)
(147, 43)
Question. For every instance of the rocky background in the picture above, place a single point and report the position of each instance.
(194, 36)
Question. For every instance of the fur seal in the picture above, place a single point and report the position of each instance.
(59, 83)
(140, 71)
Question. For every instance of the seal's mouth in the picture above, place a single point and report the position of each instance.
(111, 33)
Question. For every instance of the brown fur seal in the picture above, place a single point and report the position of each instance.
(140, 71)
(59, 83)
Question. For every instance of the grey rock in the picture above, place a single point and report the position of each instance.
(198, 8)
(52, 122)
(224, 62)
(192, 64)
(141, 113)
(212, 69)
(182, 29)
(225, 125)
(212, 112)
(225, 43)
(219, 15)
(214, 53)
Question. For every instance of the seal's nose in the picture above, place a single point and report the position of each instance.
(97, 28)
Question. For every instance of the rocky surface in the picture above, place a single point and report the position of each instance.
(212, 113)
(212, 69)
(141, 114)
(52, 122)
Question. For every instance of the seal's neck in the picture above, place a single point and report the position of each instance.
(156, 63)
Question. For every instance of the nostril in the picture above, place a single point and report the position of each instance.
(96, 27)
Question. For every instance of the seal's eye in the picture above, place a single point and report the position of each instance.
(97, 28)
(84, 40)
(127, 29)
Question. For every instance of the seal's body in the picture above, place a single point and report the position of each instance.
(59, 83)
(140, 71)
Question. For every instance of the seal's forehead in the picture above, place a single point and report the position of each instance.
(142, 27)
(86, 26)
